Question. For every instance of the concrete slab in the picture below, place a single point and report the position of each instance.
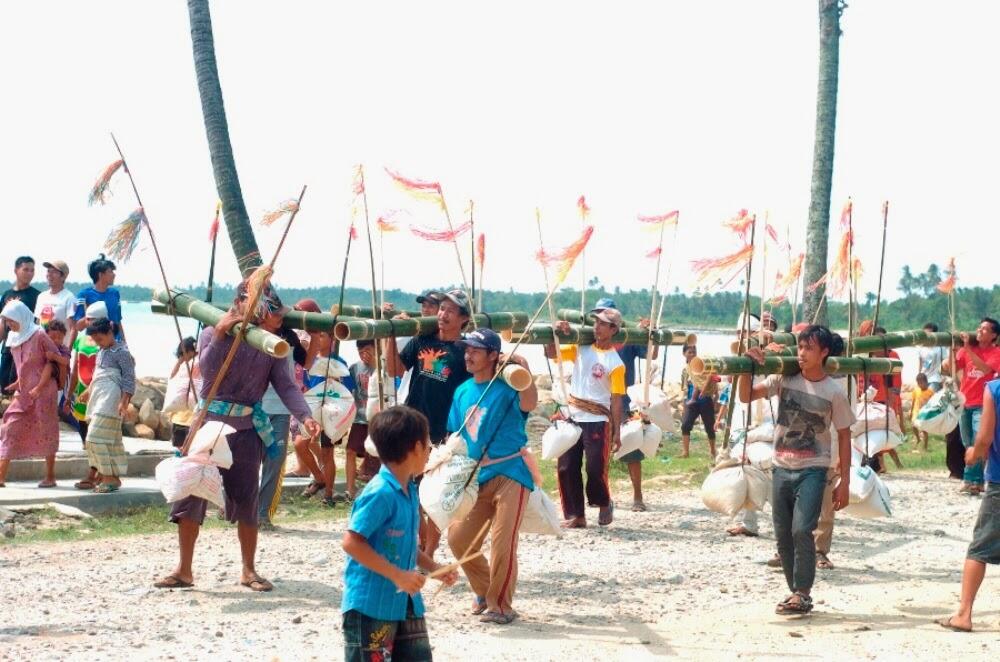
(71, 459)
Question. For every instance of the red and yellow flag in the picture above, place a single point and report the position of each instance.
(420, 190)
(287, 207)
(720, 271)
(99, 191)
(441, 235)
(947, 286)
(564, 258)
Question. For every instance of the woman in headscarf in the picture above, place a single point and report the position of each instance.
(30, 425)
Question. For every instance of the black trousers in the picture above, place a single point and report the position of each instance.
(954, 456)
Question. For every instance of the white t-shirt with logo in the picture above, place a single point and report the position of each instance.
(597, 375)
(60, 306)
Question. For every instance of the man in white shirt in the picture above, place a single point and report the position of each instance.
(57, 303)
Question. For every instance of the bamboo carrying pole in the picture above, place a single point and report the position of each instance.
(787, 365)
(543, 334)
(366, 312)
(891, 340)
(358, 329)
(293, 319)
(573, 316)
(209, 315)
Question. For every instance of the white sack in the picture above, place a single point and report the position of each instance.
(559, 438)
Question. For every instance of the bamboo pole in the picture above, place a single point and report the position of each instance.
(891, 340)
(652, 311)
(293, 319)
(563, 386)
(380, 367)
(573, 316)
(787, 365)
(543, 334)
(364, 312)
(881, 266)
(472, 255)
(357, 329)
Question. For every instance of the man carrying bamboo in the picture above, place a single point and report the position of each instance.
(595, 404)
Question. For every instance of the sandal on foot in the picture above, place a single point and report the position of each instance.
(47, 484)
(313, 488)
(606, 515)
(330, 502)
(638, 507)
(478, 605)
(85, 484)
(796, 603)
(496, 618)
(741, 531)
(823, 562)
(172, 581)
(106, 488)
(259, 585)
(946, 623)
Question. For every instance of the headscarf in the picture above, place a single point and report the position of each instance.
(269, 302)
(18, 312)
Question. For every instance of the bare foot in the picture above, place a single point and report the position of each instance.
(575, 523)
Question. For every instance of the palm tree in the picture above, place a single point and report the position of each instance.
(227, 182)
(817, 229)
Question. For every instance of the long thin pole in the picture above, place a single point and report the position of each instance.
(744, 333)
(210, 286)
(851, 290)
(881, 266)
(458, 254)
(552, 315)
(371, 260)
(583, 264)
(472, 254)
(343, 282)
(652, 311)
(381, 264)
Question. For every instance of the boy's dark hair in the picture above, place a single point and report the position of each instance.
(187, 345)
(685, 348)
(101, 326)
(99, 266)
(397, 431)
(56, 325)
(880, 331)
(365, 343)
(995, 325)
(921, 376)
(24, 259)
(823, 337)
(931, 326)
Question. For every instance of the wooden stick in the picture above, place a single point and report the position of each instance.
(458, 254)
(881, 266)
(552, 314)
(652, 310)
(472, 255)
(444, 570)
(380, 369)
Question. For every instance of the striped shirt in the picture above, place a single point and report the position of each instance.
(388, 519)
(118, 357)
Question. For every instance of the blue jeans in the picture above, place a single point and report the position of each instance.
(968, 425)
(796, 503)
(270, 474)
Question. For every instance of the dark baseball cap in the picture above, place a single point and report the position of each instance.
(481, 339)
(434, 296)
(458, 298)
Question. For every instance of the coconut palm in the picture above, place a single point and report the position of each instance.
(214, 113)
(817, 230)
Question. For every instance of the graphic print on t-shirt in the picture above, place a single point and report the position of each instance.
(475, 418)
(597, 371)
(803, 426)
(434, 363)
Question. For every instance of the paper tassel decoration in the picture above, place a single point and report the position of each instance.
(359, 180)
(582, 207)
(947, 286)
(481, 248)
(772, 233)
(740, 224)
(442, 235)
(721, 270)
(286, 207)
(213, 231)
(564, 258)
(655, 253)
(384, 223)
(836, 278)
(425, 191)
(845, 214)
(353, 232)
(784, 283)
(122, 241)
(670, 218)
(99, 193)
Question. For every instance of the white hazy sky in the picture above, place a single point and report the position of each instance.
(643, 106)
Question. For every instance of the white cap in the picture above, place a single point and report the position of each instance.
(97, 311)
(754, 323)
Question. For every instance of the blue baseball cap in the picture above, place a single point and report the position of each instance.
(481, 339)
(603, 304)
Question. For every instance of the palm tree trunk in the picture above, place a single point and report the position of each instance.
(817, 231)
(223, 164)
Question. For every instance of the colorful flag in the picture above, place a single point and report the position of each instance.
(838, 275)
(425, 191)
(99, 192)
(845, 214)
(287, 207)
(384, 223)
(481, 248)
(442, 235)
(785, 282)
(721, 270)
(670, 218)
(122, 241)
(947, 286)
(741, 224)
(353, 232)
(584, 210)
(655, 253)
(359, 180)
(565, 257)
(213, 231)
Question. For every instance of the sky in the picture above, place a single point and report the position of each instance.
(644, 107)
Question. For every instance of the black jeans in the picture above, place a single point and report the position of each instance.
(704, 407)
(796, 502)
(367, 639)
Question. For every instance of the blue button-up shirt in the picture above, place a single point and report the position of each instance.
(389, 520)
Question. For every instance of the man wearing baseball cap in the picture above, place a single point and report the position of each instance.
(595, 404)
(57, 303)
(629, 354)
(438, 365)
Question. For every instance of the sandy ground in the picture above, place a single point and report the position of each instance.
(664, 583)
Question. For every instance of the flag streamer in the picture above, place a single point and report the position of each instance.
(359, 181)
(213, 231)
(845, 214)
(582, 207)
(287, 207)
(721, 270)
(122, 241)
(481, 248)
(564, 258)
(655, 253)
(947, 286)
(785, 282)
(670, 218)
(384, 223)
(441, 235)
(837, 277)
(418, 189)
(740, 224)
(100, 191)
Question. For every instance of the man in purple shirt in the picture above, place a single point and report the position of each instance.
(237, 403)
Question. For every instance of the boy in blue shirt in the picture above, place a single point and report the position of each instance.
(102, 272)
(383, 610)
(491, 418)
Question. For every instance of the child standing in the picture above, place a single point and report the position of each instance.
(107, 399)
(808, 403)
(57, 367)
(383, 610)
(922, 392)
(361, 372)
(699, 400)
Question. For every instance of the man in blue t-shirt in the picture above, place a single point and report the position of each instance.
(491, 415)
(102, 272)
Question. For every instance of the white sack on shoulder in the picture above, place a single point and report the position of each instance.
(211, 446)
(559, 438)
(441, 491)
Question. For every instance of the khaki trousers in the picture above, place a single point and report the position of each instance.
(501, 501)
(824, 528)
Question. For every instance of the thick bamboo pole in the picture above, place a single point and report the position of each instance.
(542, 334)
(294, 319)
(209, 315)
(573, 316)
(417, 326)
(787, 365)
(892, 340)
(365, 312)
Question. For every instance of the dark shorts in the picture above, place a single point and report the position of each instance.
(367, 639)
(179, 435)
(633, 456)
(240, 481)
(324, 441)
(356, 440)
(985, 546)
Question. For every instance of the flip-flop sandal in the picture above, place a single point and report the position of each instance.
(84, 485)
(312, 489)
(607, 515)
(741, 531)
(575, 523)
(43, 485)
(946, 623)
(479, 605)
(496, 618)
(172, 581)
(803, 605)
(638, 507)
(106, 488)
(259, 585)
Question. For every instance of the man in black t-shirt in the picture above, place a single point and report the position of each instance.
(24, 273)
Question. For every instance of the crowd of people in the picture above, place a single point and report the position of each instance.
(68, 354)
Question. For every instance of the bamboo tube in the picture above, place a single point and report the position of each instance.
(865, 344)
(516, 377)
(573, 316)
(356, 329)
(209, 315)
(787, 365)
(365, 312)
(542, 334)
(294, 319)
